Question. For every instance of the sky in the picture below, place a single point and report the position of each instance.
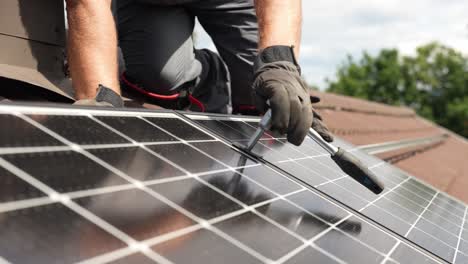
(332, 29)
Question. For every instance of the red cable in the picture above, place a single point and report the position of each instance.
(192, 99)
(197, 102)
(247, 107)
(150, 94)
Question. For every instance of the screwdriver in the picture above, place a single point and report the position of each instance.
(351, 165)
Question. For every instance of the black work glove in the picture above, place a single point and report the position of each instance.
(278, 80)
(104, 97)
(318, 124)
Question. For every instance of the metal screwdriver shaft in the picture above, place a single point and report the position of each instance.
(265, 124)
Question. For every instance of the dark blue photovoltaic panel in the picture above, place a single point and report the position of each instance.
(106, 186)
(412, 209)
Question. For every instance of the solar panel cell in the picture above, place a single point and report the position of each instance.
(324, 171)
(437, 246)
(137, 129)
(197, 198)
(239, 187)
(307, 176)
(135, 258)
(410, 185)
(260, 235)
(79, 129)
(203, 246)
(436, 231)
(243, 128)
(65, 171)
(386, 219)
(137, 163)
(463, 246)
(368, 234)
(224, 153)
(136, 213)
(51, 234)
(187, 157)
(447, 223)
(13, 188)
(180, 128)
(343, 195)
(309, 254)
(408, 255)
(271, 179)
(319, 207)
(294, 218)
(402, 212)
(347, 248)
(461, 258)
(447, 213)
(224, 130)
(18, 133)
(262, 149)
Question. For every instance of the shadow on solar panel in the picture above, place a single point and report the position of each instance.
(104, 186)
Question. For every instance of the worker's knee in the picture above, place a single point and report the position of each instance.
(160, 79)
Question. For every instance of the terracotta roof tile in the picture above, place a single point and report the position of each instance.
(347, 103)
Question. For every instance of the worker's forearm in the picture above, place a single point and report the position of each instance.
(92, 46)
(280, 23)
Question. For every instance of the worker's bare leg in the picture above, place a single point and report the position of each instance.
(92, 46)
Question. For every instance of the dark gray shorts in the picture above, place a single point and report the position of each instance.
(156, 40)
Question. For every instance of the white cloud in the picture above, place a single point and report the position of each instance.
(335, 28)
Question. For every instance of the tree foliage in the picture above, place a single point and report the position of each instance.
(434, 82)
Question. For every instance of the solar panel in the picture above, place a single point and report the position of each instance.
(408, 207)
(109, 186)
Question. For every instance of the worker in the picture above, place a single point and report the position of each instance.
(258, 43)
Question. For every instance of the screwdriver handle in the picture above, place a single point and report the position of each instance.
(350, 165)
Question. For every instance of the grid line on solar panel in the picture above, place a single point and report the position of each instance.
(220, 233)
(66, 201)
(302, 190)
(434, 237)
(306, 242)
(434, 224)
(311, 241)
(160, 197)
(460, 236)
(423, 231)
(15, 205)
(410, 201)
(423, 197)
(82, 211)
(396, 204)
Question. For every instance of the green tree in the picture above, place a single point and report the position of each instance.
(434, 82)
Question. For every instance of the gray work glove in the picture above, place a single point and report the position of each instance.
(319, 126)
(278, 81)
(105, 97)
